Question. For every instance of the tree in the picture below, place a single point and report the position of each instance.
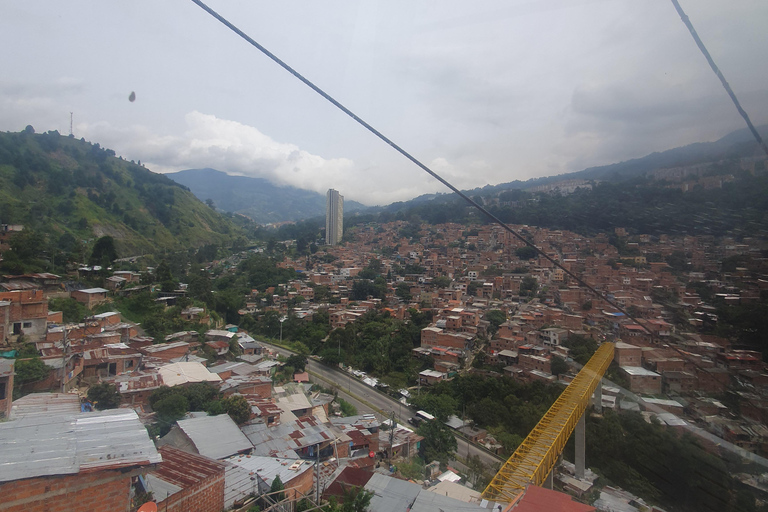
(526, 252)
(299, 362)
(440, 405)
(403, 291)
(277, 486)
(356, 499)
(171, 409)
(558, 366)
(439, 443)
(442, 282)
(496, 317)
(165, 278)
(30, 370)
(103, 250)
(238, 408)
(104, 396)
(528, 286)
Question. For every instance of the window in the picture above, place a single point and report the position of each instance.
(2, 390)
(27, 325)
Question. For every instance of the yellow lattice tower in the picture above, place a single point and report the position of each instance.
(537, 455)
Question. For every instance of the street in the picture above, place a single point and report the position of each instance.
(370, 400)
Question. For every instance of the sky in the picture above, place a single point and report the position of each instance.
(482, 92)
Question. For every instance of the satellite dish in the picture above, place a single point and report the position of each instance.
(150, 506)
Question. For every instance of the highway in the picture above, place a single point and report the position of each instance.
(370, 400)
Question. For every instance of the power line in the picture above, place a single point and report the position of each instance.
(714, 67)
(410, 157)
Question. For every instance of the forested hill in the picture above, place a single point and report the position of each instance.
(71, 192)
(738, 207)
(732, 147)
(256, 198)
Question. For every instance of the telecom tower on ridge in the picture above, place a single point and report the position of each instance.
(334, 217)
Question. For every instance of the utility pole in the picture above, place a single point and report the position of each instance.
(317, 472)
(70, 124)
(392, 427)
(64, 372)
(282, 319)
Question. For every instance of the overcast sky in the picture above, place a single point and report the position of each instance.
(483, 92)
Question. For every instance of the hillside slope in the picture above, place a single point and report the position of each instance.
(256, 198)
(63, 186)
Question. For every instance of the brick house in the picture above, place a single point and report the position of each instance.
(23, 312)
(642, 380)
(197, 480)
(97, 455)
(90, 296)
(6, 387)
(627, 355)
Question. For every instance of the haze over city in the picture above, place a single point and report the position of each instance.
(483, 94)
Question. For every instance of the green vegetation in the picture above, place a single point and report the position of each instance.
(68, 193)
(581, 348)
(104, 396)
(439, 442)
(658, 463)
(641, 205)
(347, 409)
(28, 371)
(171, 404)
(72, 310)
(507, 408)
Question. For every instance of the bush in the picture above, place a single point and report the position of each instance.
(104, 396)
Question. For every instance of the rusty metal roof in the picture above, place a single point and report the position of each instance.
(186, 469)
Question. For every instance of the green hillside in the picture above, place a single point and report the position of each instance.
(74, 192)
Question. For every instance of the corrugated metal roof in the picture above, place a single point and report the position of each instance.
(46, 404)
(186, 469)
(270, 467)
(238, 484)
(6, 366)
(392, 494)
(215, 436)
(159, 488)
(60, 444)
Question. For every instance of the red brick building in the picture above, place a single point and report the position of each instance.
(81, 461)
(23, 312)
(200, 481)
(90, 296)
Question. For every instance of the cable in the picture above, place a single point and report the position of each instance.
(407, 155)
(714, 67)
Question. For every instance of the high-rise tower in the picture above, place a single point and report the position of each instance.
(334, 217)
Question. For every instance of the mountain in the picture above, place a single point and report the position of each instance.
(69, 189)
(256, 198)
(737, 144)
(729, 196)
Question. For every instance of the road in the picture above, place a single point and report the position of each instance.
(370, 400)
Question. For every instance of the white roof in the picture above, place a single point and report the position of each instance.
(93, 290)
(106, 315)
(639, 371)
(175, 374)
(215, 436)
(432, 373)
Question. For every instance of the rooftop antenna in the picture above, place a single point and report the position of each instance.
(70, 124)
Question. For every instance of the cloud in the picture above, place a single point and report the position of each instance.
(225, 145)
(608, 123)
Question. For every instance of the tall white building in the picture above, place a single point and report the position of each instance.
(334, 217)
